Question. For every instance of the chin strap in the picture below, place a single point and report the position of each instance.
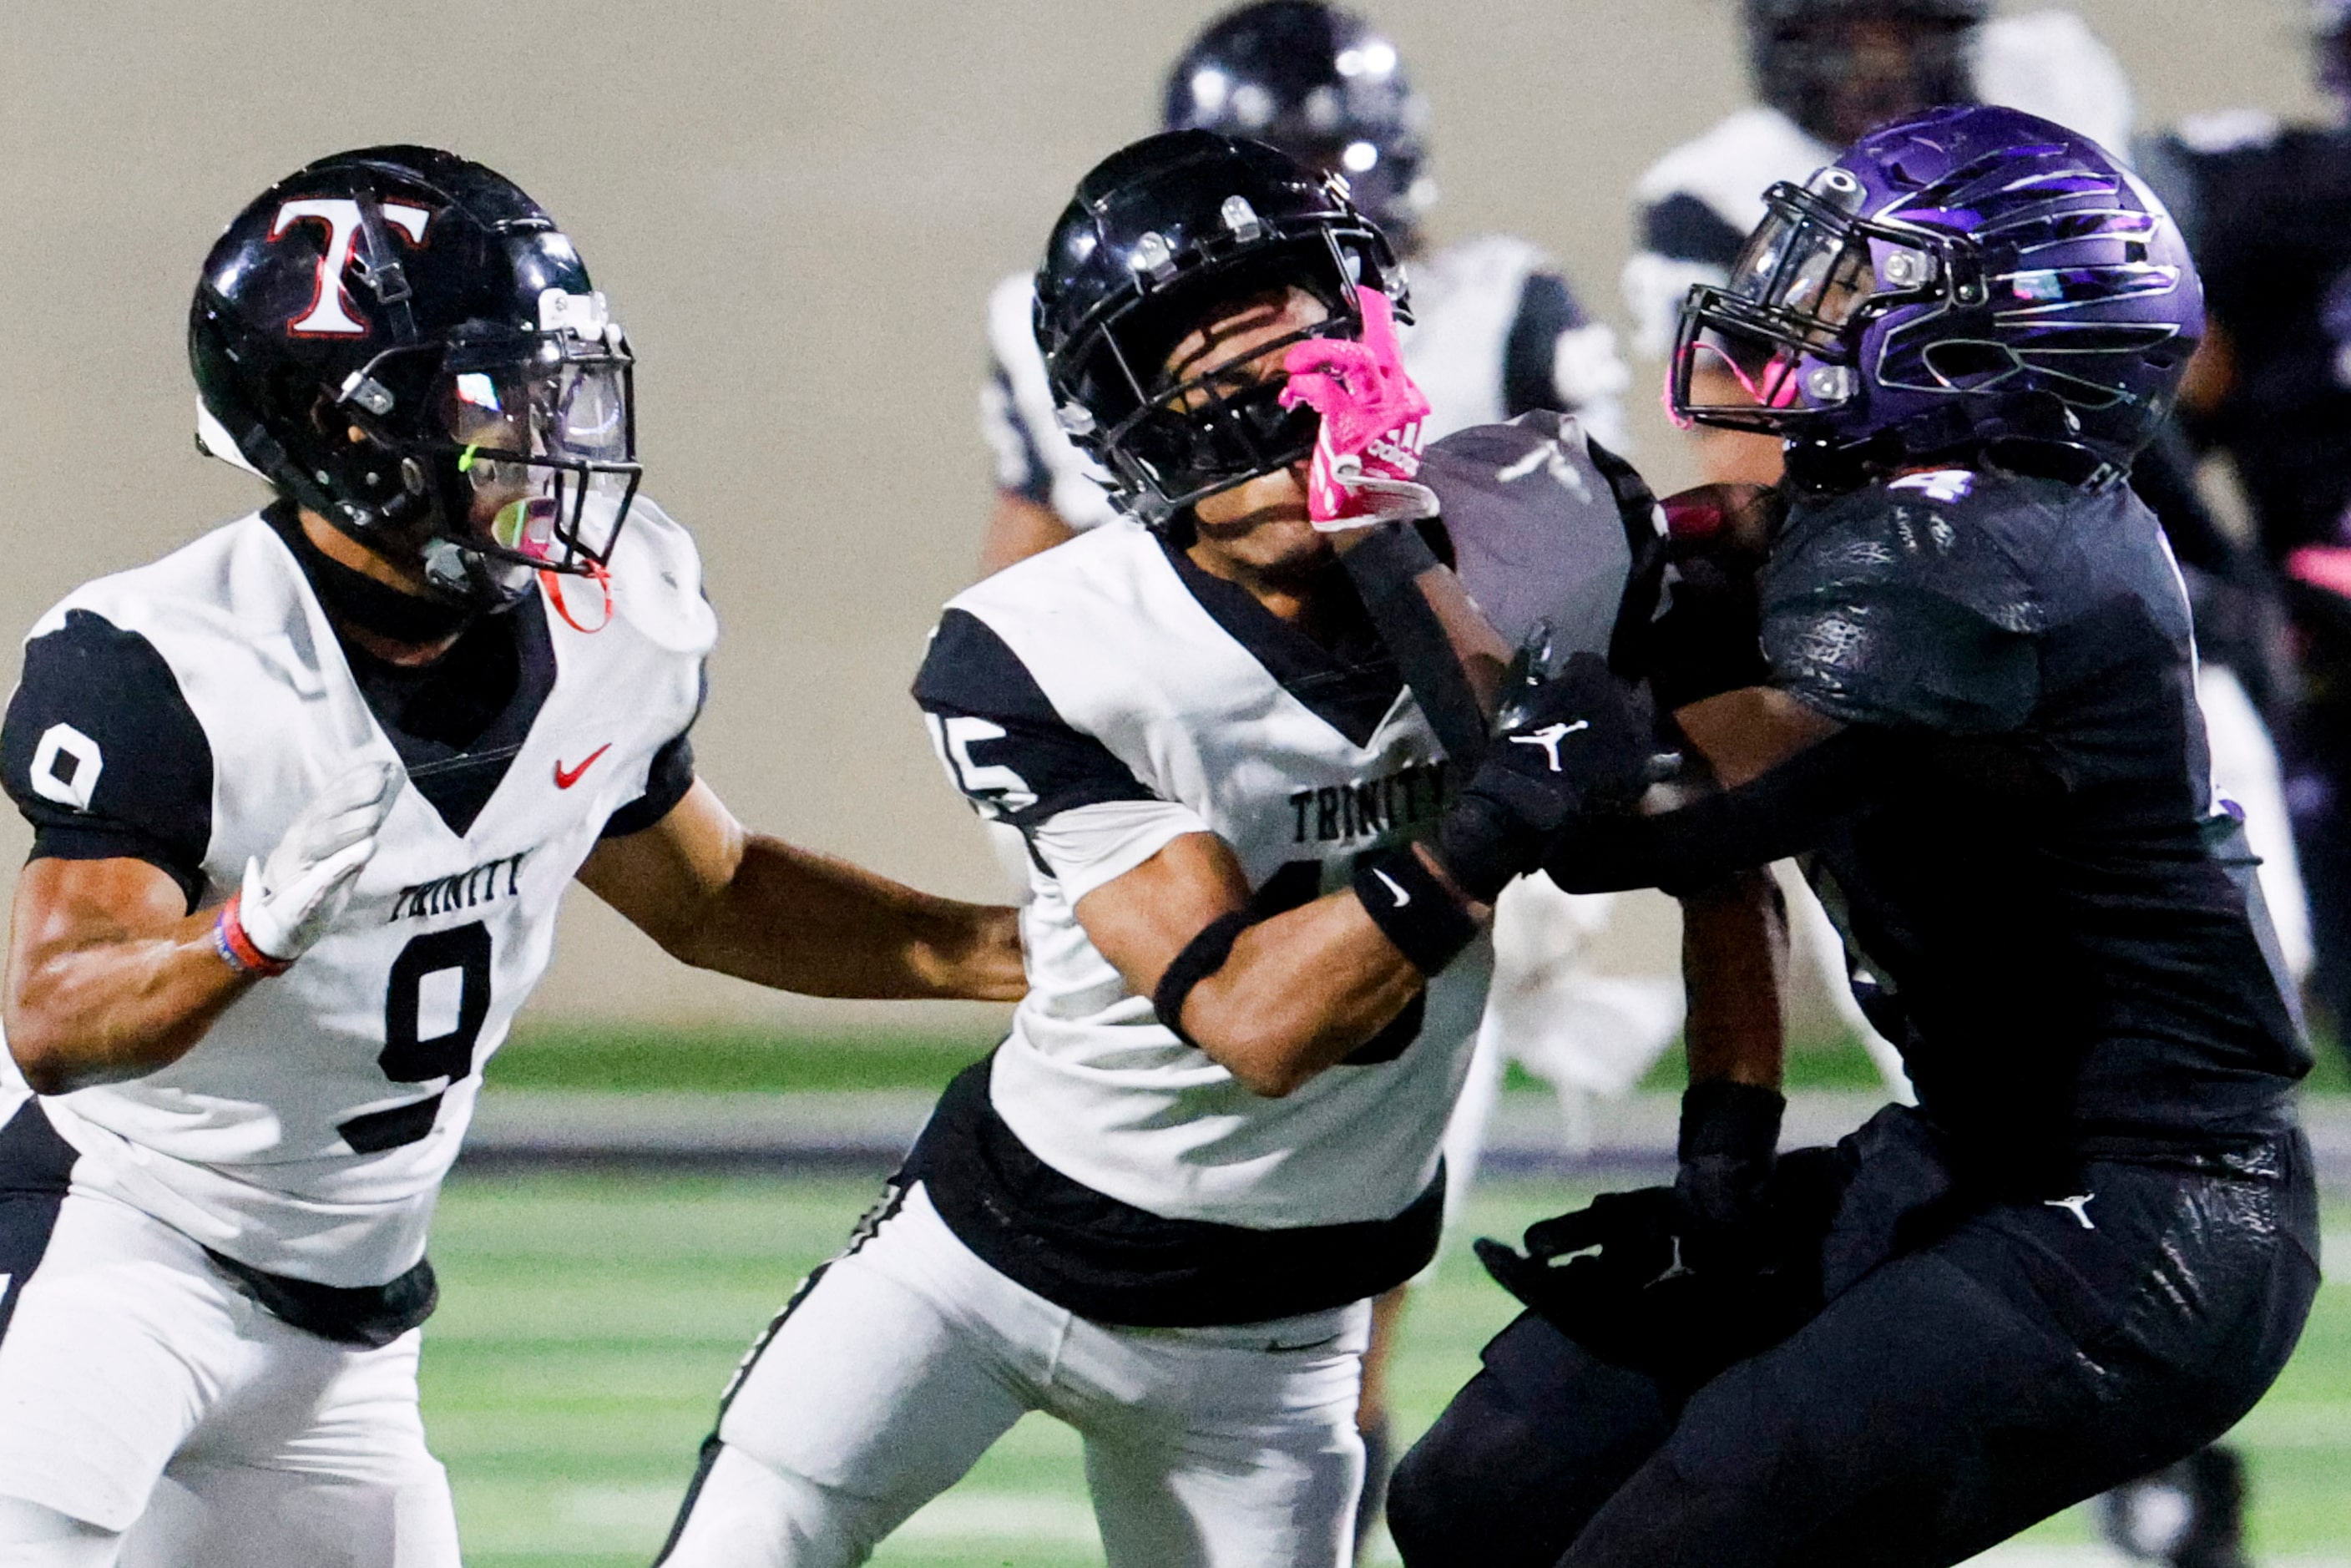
(551, 580)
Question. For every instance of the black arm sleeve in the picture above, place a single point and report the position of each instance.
(1786, 811)
(1010, 752)
(103, 755)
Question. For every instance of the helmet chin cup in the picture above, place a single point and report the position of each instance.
(472, 578)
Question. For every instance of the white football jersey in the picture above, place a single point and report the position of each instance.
(1495, 333)
(309, 1132)
(1698, 203)
(1107, 698)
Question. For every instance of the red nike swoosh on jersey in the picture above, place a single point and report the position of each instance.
(565, 778)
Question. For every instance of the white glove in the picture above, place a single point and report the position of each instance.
(294, 897)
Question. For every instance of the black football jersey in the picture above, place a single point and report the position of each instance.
(2046, 909)
(2269, 218)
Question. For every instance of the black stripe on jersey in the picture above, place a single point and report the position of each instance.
(893, 1198)
(1011, 436)
(1089, 1253)
(370, 1316)
(35, 1169)
(125, 770)
(1546, 310)
(1351, 685)
(1685, 229)
(1039, 766)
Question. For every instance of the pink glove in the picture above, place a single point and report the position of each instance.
(1369, 447)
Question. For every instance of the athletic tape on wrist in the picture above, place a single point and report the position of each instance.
(236, 949)
(1428, 924)
(1202, 956)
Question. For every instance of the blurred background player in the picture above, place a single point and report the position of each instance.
(1496, 331)
(2267, 209)
(1825, 71)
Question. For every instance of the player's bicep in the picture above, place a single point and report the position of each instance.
(1143, 917)
(662, 877)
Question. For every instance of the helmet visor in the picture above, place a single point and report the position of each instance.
(546, 451)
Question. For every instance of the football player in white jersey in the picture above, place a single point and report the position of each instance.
(1160, 1211)
(306, 795)
(1496, 331)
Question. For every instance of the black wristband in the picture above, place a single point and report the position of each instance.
(1723, 1118)
(1420, 914)
(1202, 956)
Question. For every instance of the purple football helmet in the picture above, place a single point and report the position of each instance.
(1962, 278)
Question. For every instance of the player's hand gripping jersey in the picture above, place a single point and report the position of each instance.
(185, 714)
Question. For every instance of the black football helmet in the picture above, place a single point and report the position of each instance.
(403, 342)
(1159, 234)
(1321, 84)
(1806, 66)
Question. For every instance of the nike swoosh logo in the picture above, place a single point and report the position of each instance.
(1392, 886)
(565, 777)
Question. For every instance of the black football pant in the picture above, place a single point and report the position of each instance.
(1952, 1396)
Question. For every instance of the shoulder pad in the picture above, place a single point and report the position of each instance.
(657, 583)
(1914, 603)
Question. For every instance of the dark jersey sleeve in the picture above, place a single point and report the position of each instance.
(1902, 609)
(666, 781)
(1020, 468)
(104, 756)
(1011, 754)
(671, 777)
(1685, 229)
(1546, 310)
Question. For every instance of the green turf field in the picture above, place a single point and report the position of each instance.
(589, 1321)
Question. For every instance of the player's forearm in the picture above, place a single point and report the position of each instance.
(1299, 993)
(1734, 962)
(805, 921)
(90, 1001)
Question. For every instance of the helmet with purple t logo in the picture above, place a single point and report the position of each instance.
(1959, 279)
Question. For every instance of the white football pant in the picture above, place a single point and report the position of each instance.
(142, 1394)
(902, 1361)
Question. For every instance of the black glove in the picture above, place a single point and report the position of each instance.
(1616, 1278)
(1583, 744)
(1730, 1137)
